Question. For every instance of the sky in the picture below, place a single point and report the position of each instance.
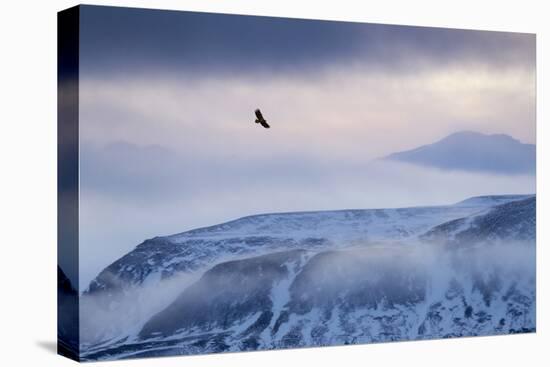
(167, 135)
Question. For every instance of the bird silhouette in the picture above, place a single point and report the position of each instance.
(260, 119)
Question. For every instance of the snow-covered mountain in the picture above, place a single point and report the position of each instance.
(162, 257)
(320, 278)
(67, 316)
(472, 151)
(509, 222)
(297, 298)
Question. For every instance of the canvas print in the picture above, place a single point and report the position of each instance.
(234, 183)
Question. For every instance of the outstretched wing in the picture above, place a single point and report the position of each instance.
(264, 124)
(259, 114)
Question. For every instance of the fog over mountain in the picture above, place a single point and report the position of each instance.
(132, 192)
(298, 279)
(472, 151)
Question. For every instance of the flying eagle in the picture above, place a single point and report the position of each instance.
(260, 119)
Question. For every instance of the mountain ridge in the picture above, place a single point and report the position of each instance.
(273, 225)
(474, 152)
(367, 276)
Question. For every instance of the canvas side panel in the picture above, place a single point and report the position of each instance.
(67, 183)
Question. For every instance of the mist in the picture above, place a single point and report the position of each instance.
(127, 310)
(122, 215)
(367, 281)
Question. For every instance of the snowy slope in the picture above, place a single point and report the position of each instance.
(67, 316)
(316, 278)
(512, 221)
(163, 257)
(298, 298)
(491, 200)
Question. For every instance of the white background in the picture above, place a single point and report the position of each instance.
(28, 182)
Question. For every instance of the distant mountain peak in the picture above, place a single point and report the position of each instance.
(473, 151)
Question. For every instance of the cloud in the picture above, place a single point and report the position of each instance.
(338, 113)
(138, 41)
